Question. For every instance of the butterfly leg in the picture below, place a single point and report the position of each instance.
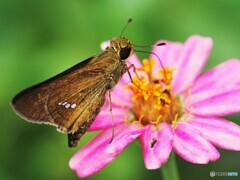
(111, 85)
(129, 74)
(110, 99)
(134, 70)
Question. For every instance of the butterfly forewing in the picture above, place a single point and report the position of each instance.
(31, 102)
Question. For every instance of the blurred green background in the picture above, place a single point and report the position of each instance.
(39, 39)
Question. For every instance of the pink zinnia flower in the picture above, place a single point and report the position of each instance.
(175, 108)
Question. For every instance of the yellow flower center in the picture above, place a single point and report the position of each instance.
(153, 99)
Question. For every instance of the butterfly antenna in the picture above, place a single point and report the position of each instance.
(159, 44)
(128, 22)
(146, 46)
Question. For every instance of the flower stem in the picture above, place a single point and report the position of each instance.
(169, 170)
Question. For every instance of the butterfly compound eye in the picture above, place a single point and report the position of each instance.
(124, 53)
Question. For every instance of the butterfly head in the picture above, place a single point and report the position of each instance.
(122, 46)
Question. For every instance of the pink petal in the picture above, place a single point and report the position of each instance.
(104, 121)
(218, 131)
(188, 60)
(99, 152)
(192, 146)
(192, 60)
(224, 74)
(156, 145)
(207, 94)
(124, 137)
(216, 102)
(121, 96)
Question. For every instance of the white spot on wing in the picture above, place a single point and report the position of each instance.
(73, 105)
(68, 105)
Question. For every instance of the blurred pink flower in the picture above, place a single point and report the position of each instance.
(175, 108)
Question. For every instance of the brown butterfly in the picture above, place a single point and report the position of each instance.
(72, 99)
